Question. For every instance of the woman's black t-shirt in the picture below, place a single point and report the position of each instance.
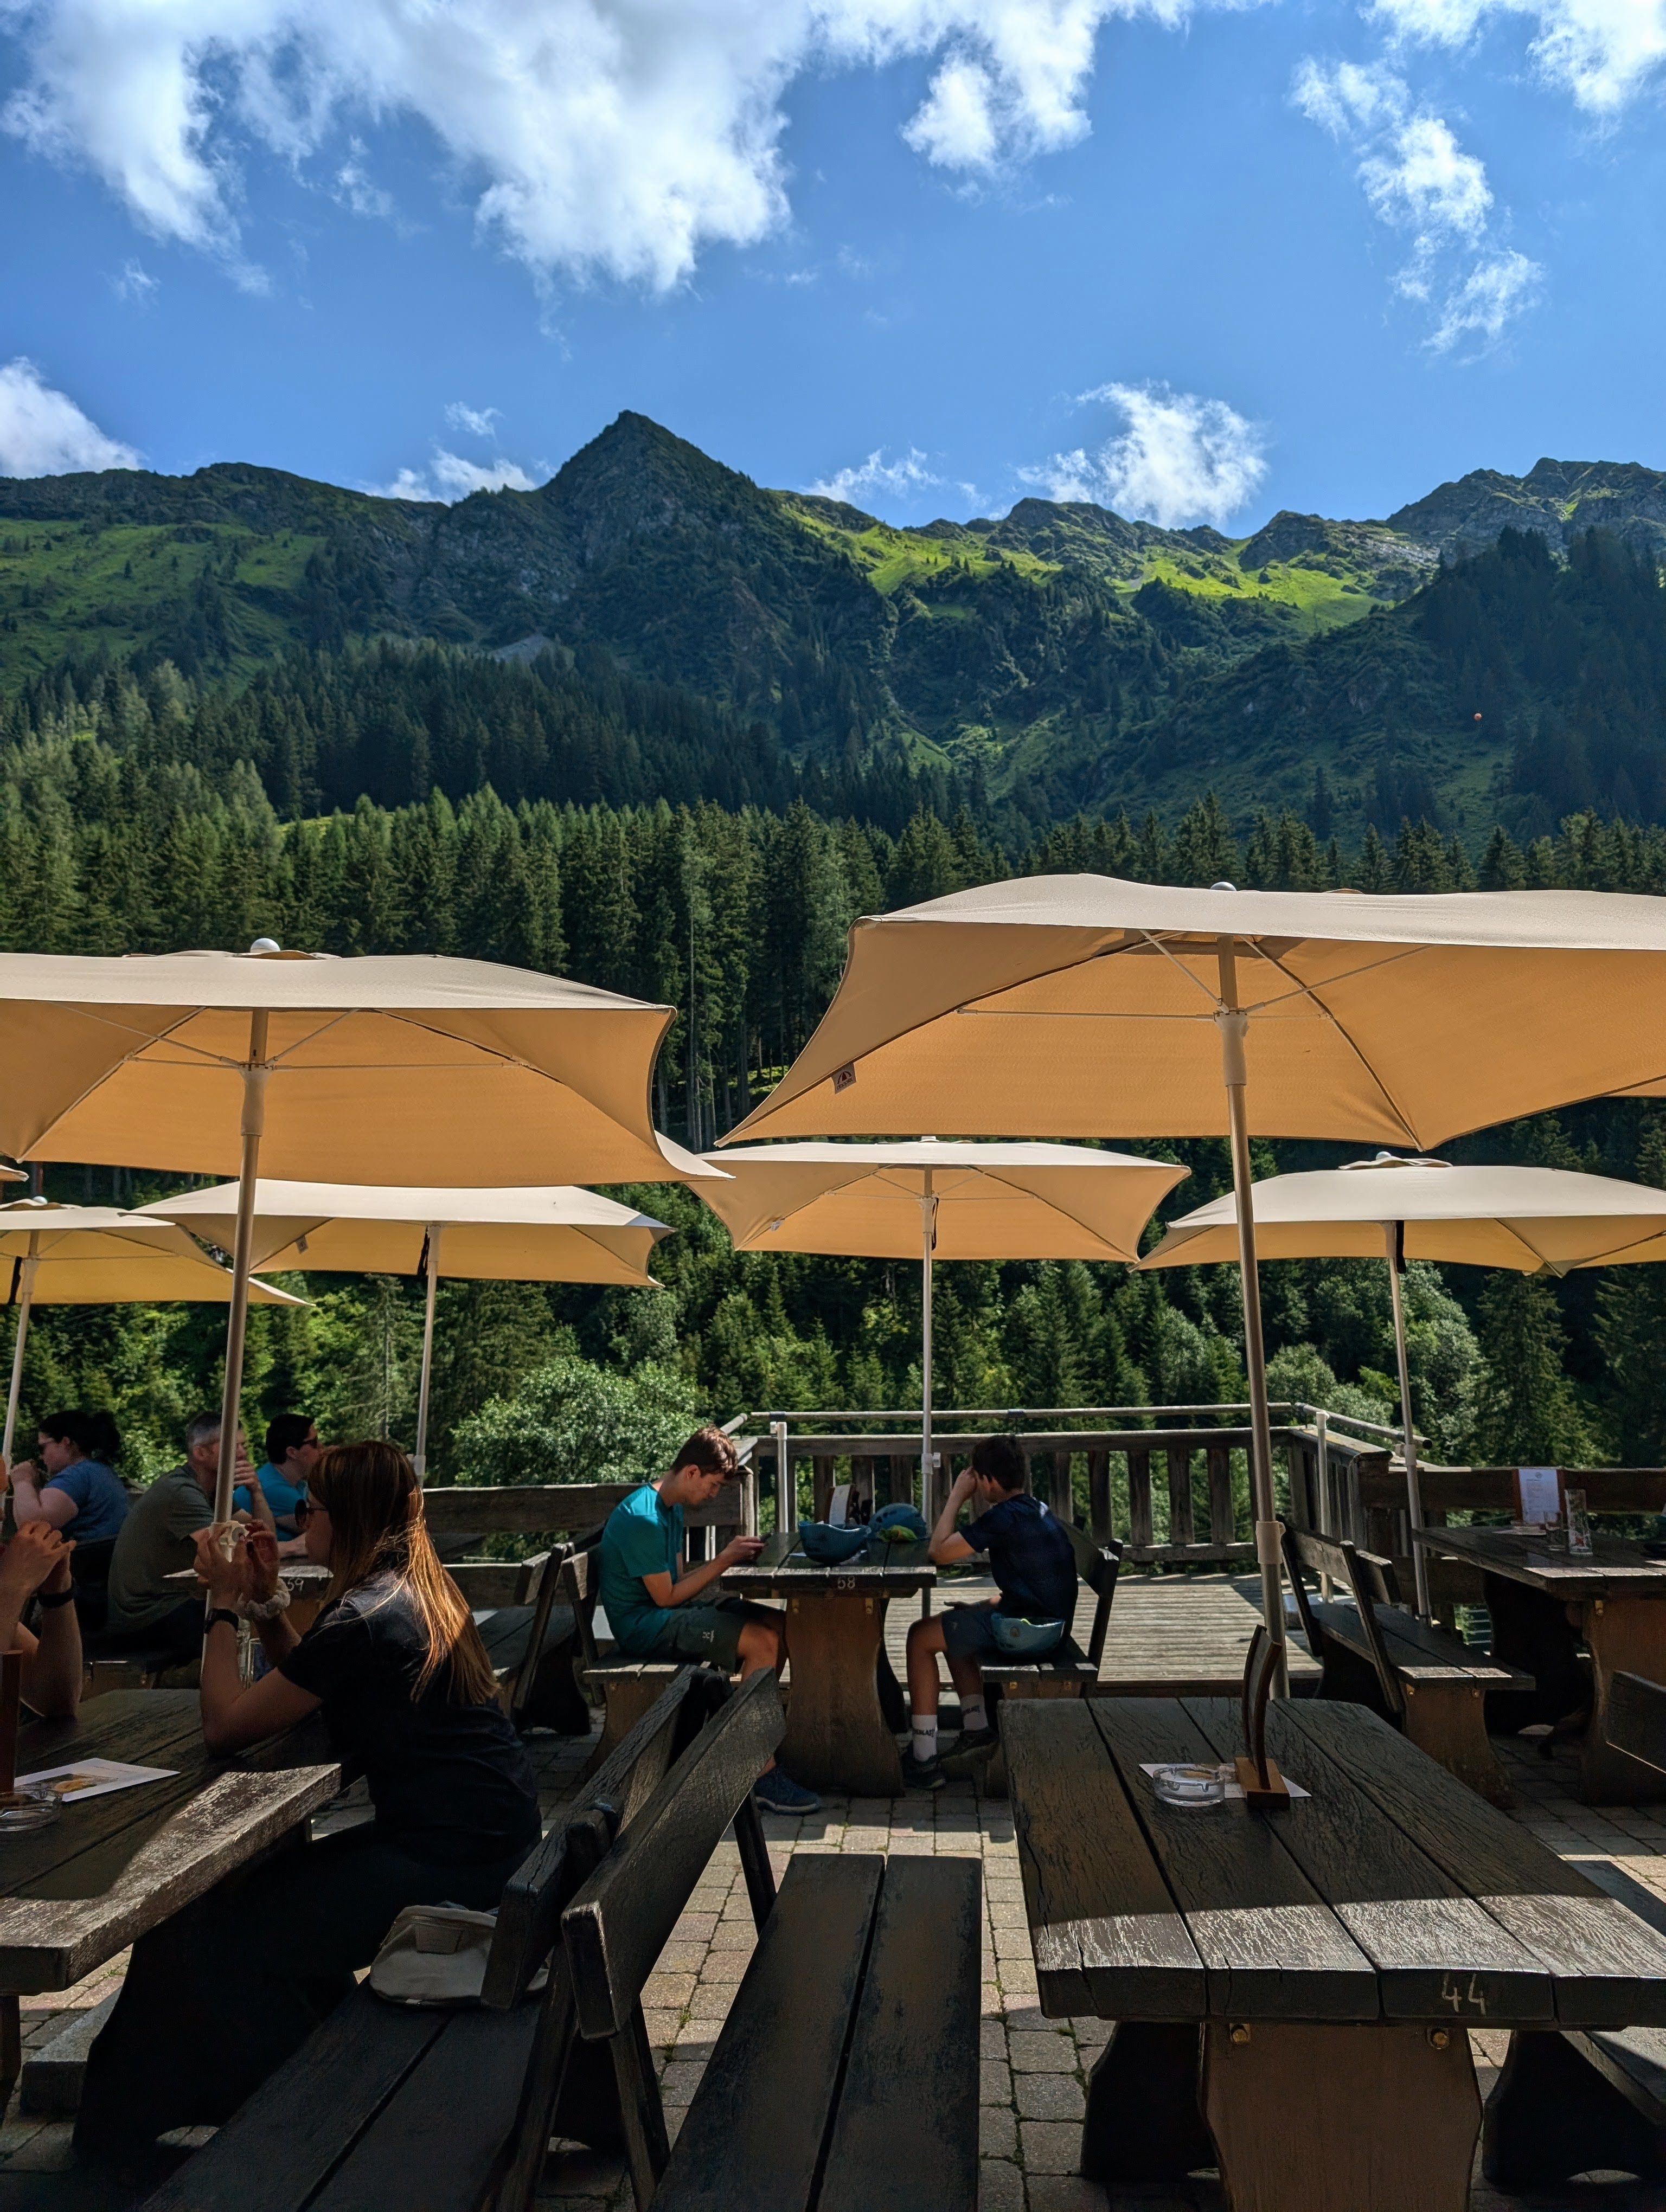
(450, 1781)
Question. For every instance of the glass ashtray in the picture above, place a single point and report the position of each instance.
(1196, 1788)
(31, 1806)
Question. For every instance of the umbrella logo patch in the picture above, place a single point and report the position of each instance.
(843, 1077)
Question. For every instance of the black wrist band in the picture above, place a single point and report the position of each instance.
(221, 1612)
(48, 1600)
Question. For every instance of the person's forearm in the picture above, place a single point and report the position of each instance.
(221, 1684)
(51, 1673)
(697, 1579)
(30, 1504)
(949, 1515)
(278, 1638)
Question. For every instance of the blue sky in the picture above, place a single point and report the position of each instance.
(1199, 262)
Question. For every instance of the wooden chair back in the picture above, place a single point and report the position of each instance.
(544, 1593)
(1370, 1582)
(580, 1584)
(615, 1929)
(1099, 1566)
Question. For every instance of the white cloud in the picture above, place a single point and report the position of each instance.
(135, 283)
(1181, 459)
(615, 136)
(44, 433)
(477, 421)
(1604, 52)
(354, 188)
(879, 478)
(1420, 181)
(449, 477)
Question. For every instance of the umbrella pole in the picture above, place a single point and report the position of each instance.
(1394, 1233)
(256, 1071)
(1234, 1024)
(419, 1457)
(26, 1300)
(927, 1240)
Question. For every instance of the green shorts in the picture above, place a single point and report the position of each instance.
(710, 1632)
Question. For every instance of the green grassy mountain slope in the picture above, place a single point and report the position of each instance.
(1058, 657)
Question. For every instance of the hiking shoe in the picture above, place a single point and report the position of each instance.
(974, 1745)
(922, 1773)
(775, 1792)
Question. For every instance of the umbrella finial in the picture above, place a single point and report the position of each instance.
(1223, 887)
(266, 945)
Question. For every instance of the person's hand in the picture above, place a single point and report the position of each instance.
(963, 1484)
(740, 1551)
(261, 1552)
(36, 1556)
(227, 1580)
(27, 1471)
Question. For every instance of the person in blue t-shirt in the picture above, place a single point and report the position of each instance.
(1034, 1564)
(654, 1605)
(292, 1450)
(74, 1482)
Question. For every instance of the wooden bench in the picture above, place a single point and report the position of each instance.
(452, 2111)
(1590, 2099)
(1066, 1671)
(531, 1639)
(846, 2074)
(1432, 1687)
(625, 1688)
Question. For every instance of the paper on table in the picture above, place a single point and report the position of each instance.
(1228, 1775)
(1539, 1493)
(95, 1777)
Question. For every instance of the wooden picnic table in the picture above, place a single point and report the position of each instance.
(306, 1580)
(839, 1732)
(1617, 1596)
(1292, 1989)
(77, 1891)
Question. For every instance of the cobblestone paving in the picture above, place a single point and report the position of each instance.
(1033, 2070)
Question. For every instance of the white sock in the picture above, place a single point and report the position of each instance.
(925, 1735)
(972, 1715)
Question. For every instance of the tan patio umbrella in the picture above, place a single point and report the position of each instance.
(1082, 1005)
(402, 1069)
(559, 1234)
(939, 1202)
(99, 1256)
(1527, 1218)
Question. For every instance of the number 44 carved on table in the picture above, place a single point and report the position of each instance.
(1462, 1999)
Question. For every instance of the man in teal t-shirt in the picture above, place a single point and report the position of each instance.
(652, 1607)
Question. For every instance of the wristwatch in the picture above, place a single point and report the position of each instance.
(47, 1599)
(220, 1613)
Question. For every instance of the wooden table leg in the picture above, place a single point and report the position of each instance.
(1144, 2120)
(837, 1737)
(1448, 1721)
(1628, 1635)
(11, 2047)
(1312, 2118)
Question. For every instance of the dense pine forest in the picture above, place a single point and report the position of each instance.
(139, 812)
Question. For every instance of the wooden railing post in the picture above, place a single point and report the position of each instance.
(1222, 1527)
(1180, 1495)
(1099, 1496)
(1062, 1501)
(1140, 1535)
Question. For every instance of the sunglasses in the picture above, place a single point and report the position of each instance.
(306, 1508)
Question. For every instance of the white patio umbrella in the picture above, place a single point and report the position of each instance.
(97, 1256)
(940, 1200)
(1083, 1006)
(524, 1234)
(1526, 1219)
(401, 1069)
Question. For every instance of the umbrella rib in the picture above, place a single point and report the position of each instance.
(1342, 1030)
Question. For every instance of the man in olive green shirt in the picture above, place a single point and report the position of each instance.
(157, 1539)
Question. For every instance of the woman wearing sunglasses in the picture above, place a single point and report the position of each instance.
(218, 1996)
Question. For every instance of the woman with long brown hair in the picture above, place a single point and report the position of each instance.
(222, 1994)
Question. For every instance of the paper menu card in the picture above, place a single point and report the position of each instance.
(1538, 1494)
(95, 1777)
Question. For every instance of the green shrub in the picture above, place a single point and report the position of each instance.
(573, 1421)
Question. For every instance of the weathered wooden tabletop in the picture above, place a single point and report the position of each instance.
(1392, 1893)
(1291, 1988)
(77, 1891)
(781, 1570)
(1614, 1569)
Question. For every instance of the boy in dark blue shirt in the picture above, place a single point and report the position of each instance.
(1034, 1565)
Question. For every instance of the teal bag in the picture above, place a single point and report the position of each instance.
(1025, 1640)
